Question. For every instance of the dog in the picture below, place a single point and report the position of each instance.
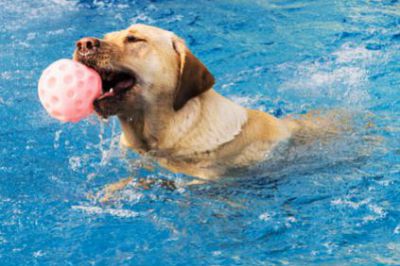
(164, 99)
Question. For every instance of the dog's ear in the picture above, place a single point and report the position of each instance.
(193, 77)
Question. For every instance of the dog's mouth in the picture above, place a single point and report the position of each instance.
(115, 83)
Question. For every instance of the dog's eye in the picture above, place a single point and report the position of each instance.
(132, 38)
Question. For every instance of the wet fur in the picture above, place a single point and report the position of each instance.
(175, 116)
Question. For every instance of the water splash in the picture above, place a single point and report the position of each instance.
(109, 144)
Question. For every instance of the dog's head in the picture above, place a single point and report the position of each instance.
(142, 66)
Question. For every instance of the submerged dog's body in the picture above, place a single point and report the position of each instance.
(171, 113)
(208, 137)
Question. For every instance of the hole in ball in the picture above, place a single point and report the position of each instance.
(55, 113)
(62, 67)
(79, 74)
(68, 79)
(54, 99)
(89, 93)
(92, 80)
(51, 82)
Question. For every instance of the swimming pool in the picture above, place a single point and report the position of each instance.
(280, 56)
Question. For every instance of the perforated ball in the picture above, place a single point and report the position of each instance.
(67, 90)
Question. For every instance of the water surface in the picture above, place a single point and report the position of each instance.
(280, 56)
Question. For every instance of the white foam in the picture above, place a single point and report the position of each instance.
(7, 75)
(346, 83)
(394, 246)
(56, 32)
(264, 217)
(31, 36)
(378, 213)
(27, 12)
(130, 195)
(217, 253)
(75, 162)
(352, 204)
(64, 3)
(387, 261)
(377, 210)
(347, 54)
(245, 100)
(343, 77)
(397, 230)
(57, 135)
(110, 211)
(141, 18)
(38, 253)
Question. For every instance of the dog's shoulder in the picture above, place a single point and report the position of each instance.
(258, 136)
(264, 127)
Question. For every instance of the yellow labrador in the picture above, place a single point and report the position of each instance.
(168, 110)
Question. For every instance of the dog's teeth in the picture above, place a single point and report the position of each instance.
(112, 90)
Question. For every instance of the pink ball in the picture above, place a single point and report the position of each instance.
(67, 90)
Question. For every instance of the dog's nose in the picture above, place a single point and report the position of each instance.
(87, 44)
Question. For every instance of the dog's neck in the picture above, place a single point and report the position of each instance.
(202, 125)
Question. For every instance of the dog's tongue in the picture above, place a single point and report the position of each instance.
(109, 93)
(124, 84)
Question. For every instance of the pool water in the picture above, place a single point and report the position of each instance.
(340, 206)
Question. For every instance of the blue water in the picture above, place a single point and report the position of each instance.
(341, 206)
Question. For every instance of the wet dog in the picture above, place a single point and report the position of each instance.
(164, 98)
